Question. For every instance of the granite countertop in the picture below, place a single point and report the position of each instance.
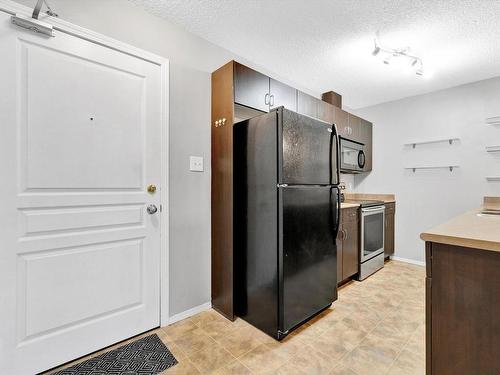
(472, 229)
(387, 198)
(348, 205)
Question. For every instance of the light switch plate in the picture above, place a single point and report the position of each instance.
(196, 163)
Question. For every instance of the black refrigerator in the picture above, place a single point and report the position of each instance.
(286, 211)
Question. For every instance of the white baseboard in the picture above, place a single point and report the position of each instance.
(411, 261)
(188, 313)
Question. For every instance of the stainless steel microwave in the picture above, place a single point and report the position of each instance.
(352, 156)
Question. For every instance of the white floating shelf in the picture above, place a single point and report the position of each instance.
(493, 148)
(493, 120)
(450, 167)
(493, 178)
(450, 140)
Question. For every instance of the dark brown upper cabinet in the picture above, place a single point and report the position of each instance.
(307, 104)
(326, 112)
(282, 95)
(342, 122)
(365, 136)
(354, 123)
(257, 91)
(251, 88)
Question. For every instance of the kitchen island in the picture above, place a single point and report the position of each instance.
(463, 294)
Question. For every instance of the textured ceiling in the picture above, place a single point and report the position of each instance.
(327, 44)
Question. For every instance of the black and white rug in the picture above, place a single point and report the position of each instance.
(146, 356)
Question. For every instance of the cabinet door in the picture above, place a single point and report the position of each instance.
(282, 95)
(326, 112)
(366, 137)
(389, 230)
(342, 122)
(354, 125)
(340, 236)
(307, 104)
(251, 88)
(350, 249)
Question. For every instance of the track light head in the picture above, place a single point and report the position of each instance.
(376, 50)
(419, 72)
(414, 62)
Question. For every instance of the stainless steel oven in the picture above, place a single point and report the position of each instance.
(372, 239)
(352, 156)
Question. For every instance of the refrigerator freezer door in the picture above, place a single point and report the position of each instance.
(308, 150)
(308, 261)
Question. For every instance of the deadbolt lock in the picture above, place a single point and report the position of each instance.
(152, 189)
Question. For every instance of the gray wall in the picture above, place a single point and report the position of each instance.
(427, 198)
(192, 59)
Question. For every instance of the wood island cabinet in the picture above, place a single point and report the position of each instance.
(462, 310)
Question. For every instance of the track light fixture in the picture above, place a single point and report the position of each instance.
(388, 54)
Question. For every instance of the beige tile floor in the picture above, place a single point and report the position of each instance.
(375, 327)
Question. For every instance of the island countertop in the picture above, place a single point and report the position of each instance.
(472, 229)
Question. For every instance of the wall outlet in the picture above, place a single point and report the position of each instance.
(196, 163)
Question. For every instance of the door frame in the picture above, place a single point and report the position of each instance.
(60, 25)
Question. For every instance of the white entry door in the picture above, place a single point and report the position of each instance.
(80, 142)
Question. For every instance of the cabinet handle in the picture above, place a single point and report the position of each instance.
(266, 99)
(345, 233)
(271, 103)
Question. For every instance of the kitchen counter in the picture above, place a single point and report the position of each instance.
(468, 230)
(462, 304)
(386, 198)
(348, 205)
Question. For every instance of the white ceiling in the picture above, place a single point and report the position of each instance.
(327, 44)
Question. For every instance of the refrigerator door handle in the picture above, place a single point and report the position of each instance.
(337, 213)
(337, 156)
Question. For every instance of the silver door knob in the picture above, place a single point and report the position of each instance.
(152, 209)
